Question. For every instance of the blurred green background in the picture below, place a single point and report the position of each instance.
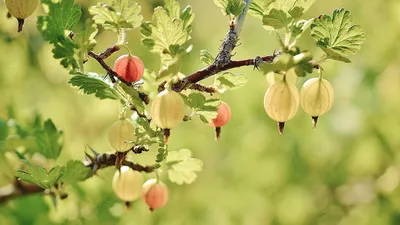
(346, 172)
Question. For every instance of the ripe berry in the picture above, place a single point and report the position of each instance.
(223, 117)
(21, 9)
(121, 135)
(316, 97)
(127, 184)
(155, 194)
(281, 102)
(168, 111)
(129, 68)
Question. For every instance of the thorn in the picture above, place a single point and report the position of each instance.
(89, 158)
(94, 152)
(314, 121)
(281, 127)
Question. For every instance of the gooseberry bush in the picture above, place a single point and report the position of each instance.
(173, 97)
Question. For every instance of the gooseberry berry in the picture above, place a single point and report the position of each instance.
(121, 135)
(281, 102)
(168, 111)
(130, 68)
(316, 97)
(223, 117)
(155, 194)
(21, 9)
(127, 184)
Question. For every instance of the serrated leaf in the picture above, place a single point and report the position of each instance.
(276, 19)
(38, 175)
(182, 167)
(337, 36)
(299, 27)
(49, 140)
(121, 14)
(167, 29)
(230, 81)
(206, 109)
(206, 57)
(56, 26)
(75, 171)
(172, 66)
(85, 40)
(231, 7)
(197, 100)
(94, 84)
(134, 98)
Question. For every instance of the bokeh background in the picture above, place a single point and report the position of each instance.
(346, 172)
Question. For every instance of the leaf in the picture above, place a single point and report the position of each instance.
(49, 140)
(134, 98)
(182, 167)
(276, 19)
(337, 36)
(38, 175)
(167, 29)
(206, 57)
(75, 171)
(231, 7)
(122, 14)
(92, 83)
(299, 27)
(85, 40)
(206, 109)
(56, 26)
(230, 81)
(3, 133)
(293, 9)
(286, 61)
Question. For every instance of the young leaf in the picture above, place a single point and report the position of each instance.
(85, 40)
(167, 30)
(62, 16)
(75, 171)
(38, 175)
(206, 57)
(92, 83)
(299, 27)
(122, 14)
(134, 98)
(206, 109)
(231, 7)
(182, 167)
(276, 19)
(337, 36)
(49, 140)
(230, 81)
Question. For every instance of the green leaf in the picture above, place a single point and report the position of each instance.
(49, 140)
(230, 81)
(3, 133)
(182, 167)
(172, 66)
(134, 98)
(276, 19)
(85, 40)
(206, 109)
(299, 27)
(38, 175)
(75, 171)
(231, 7)
(337, 36)
(122, 14)
(168, 29)
(206, 57)
(57, 25)
(92, 83)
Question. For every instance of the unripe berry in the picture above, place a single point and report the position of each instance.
(21, 9)
(168, 110)
(121, 135)
(127, 184)
(273, 77)
(129, 68)
(223, 117)
(316, 97)
(155, 194)
(281, 102)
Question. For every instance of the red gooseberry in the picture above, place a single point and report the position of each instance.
(130, 68)
(155, 193)
(224, 115)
